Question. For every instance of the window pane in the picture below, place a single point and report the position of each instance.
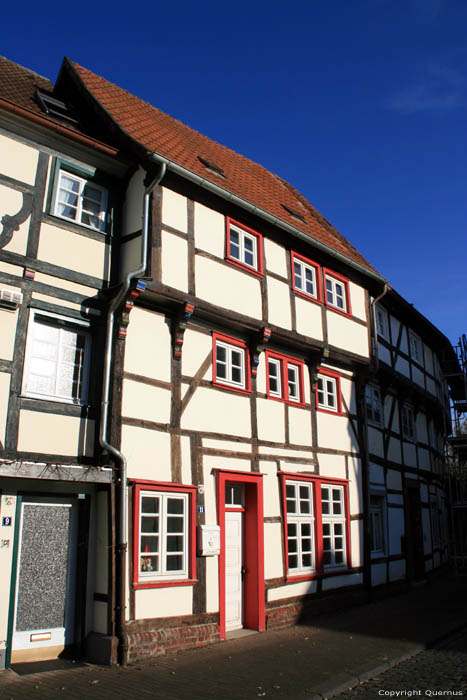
(149, 504)
(175, 524)
(174, 562)
(292, 545)
(150, 523)
(175, 505)
(149, 563)
(175, 543)
(291, 529)
(149, 543)
(306, 560)
(293, 561)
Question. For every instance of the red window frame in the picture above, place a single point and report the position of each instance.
(337, 377)
(317, 268)
(259, 269)
(345, 282)
(317, 481)
(158, 487)
(284, 360)
(228, 340)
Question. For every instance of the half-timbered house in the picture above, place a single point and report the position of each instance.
(273, 411)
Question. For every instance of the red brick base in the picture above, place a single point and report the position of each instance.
(146, 643)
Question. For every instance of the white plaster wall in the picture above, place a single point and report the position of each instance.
(410, 454)
(421, 428)
(356, 539)
(196, 347)
(375, 441)
(376, 474)
(418, 376)
(395, 528)
(308, 318)
(402, 366)
(396, 570)
(345, 333)
(235, 464)
(334, 432)
(271, 491)
(228, 287)
(284, 452)
(227, 445)
(279, 303)
(132, 215)
(209, 230)
(394, 480)
(147, 452)
(210, 501)
(299, 426)
(355, 486)
(430, 386)
(8, 321)
(428, 355)
(348, 394)
(52, 300)
(273, 561)
(145, 402)
(378, 574)
(15, 270)
(50, 433)
(270, 420)
(11, 202)
(340, 581)
(332, 465)
(395, 326)
(214, 411)
(276, 260)
(65, 284)
(261, 375)
(186, 459)
(174, 261)
(292, 590)
(163, 602)
(424, 458)
(148, 345)
(394, 450)
(383, 354)
(4, 395)
(72, 251)
(18, 160)
(358, 301)
(174, 210)
(212, 584)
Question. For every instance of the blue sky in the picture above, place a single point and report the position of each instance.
(360, 104)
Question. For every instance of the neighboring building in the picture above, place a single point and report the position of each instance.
(277, 413)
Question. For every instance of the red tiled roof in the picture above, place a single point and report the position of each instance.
(158, 132)
(18, 85)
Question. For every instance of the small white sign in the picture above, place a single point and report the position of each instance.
(209, 540)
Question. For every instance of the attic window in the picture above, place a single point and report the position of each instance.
(55, 108)
(292, 212)
(211, 166)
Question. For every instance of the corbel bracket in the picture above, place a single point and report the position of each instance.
(261, 340)
(180, 328)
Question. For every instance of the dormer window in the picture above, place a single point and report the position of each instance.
(54, 107)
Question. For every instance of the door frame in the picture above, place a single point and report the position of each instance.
(253, 554)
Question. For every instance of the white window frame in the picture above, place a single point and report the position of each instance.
(61, 324)
(332, 295)
(229, 365)
(325, 382)
(300, 519)
(80, 212)
(163, 573)
(335, 521)
(382, 322)
(243, 251)
(416, 349)
(301, 276)
(408, 428)
(373, 405)
(377, 523)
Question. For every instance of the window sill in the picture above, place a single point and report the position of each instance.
(290, 578)
(54, 399)
(244, 267)
(328, 411)
(308, 297)
(230, 387)
(298, 404)
(346, 314)
(140, 585)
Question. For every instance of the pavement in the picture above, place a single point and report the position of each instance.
(329, 655)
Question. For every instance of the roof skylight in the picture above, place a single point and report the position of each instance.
(212, 166)
(294, 213)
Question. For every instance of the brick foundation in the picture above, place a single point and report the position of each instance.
(152, 638)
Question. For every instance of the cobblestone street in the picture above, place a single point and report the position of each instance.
(439, 672)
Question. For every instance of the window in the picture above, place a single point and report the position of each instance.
(57, 358)
(332, 506)
(408, 422)
(231, 365)
(377, 512)
(374, 407)
(415, 345)
(300, 527)
(382, 325)
(80, 200)
(305, 277)
(244, 247)
(284, 378)
(163, 528)
(316, 527)
(328, 395)
(337, 292)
